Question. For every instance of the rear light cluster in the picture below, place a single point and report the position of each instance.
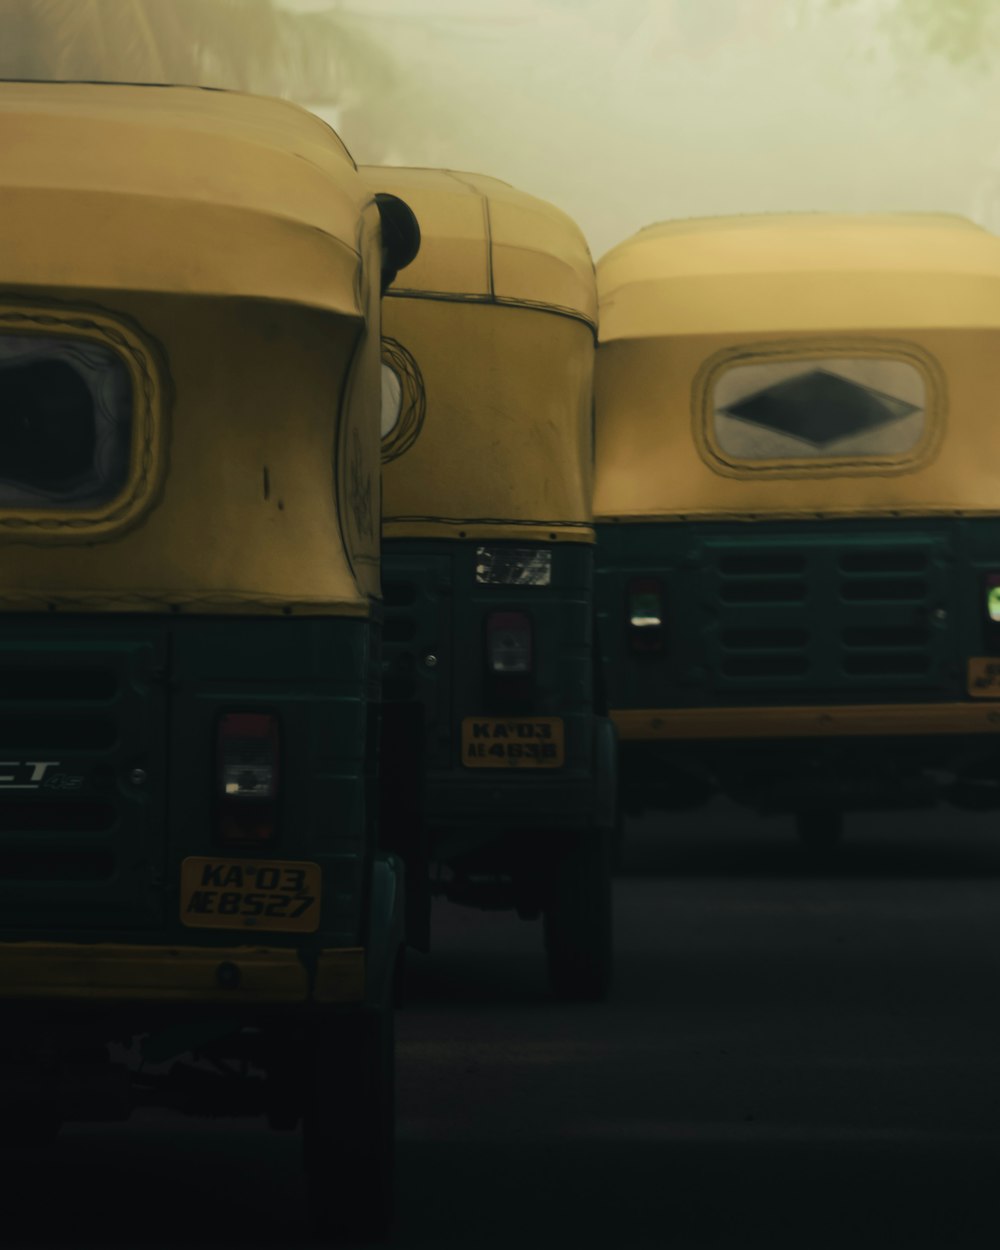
(509, 642)
(247, 778)
(644, 614)
(510, 661)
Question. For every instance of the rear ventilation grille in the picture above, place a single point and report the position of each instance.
(891, 637)
(764, 639)
(752, 591)
(761, 563)
(821, 615)
(766, 666)
(57, 733)
(875, 665)
(37, 865)
(69, 718)
(903, 560)
(883, 590)
(36, 685)
(52, 817)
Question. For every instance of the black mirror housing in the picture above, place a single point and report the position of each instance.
(400, 235)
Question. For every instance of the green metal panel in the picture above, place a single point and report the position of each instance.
(314, 676)
(104, 697)
(82, 832)
(434, 607)
(798, 612)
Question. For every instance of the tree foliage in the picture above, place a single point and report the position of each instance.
(249, 45)
(963, 32)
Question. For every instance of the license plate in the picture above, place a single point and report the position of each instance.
(984, 677)
(513, 742)
(262, 896)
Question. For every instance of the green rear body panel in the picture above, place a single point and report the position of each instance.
(435, 608)
(122, 712)
(799, 614)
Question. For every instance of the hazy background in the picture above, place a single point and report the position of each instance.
(621, 112)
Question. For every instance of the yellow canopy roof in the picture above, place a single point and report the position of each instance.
(484, 241)
(709, 328)
(177, 190)
(789, 273)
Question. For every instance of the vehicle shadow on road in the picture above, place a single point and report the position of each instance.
(628, 1194)
(606, 1189)
(460, 979)
(164, 1182)
(722, 840)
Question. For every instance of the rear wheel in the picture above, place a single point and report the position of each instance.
(349, 1127)
(820, 830)
(577, 920)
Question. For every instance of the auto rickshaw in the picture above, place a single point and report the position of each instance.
(798, 513)
(192, 912)
(492, 710)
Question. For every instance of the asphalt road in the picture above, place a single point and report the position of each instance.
(796, 1055)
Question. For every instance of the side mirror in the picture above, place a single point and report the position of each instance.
(400, 235)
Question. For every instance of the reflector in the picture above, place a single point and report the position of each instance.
(247, 755)
(644, 613)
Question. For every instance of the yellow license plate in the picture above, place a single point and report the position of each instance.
(984, 677)
(513, 742)
(258, 895)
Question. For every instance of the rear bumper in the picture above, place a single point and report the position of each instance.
(109, 972)
(857, 720)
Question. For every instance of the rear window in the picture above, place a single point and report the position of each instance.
(794, 411)
(66, 423)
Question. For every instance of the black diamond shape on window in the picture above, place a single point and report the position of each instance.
(820, 407)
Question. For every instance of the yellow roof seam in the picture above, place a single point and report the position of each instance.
(534, 254)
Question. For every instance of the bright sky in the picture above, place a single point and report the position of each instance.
(624, 112)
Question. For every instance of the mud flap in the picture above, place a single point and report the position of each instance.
(606, 807)
(386, 929)
(401, 825)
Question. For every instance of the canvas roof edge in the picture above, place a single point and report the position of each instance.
(807, 218)
(486, 242)
(222, 180)
(779, 273)
(165, 99)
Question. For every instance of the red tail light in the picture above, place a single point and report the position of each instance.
(509, 643)
(247, 777)
(645, 614)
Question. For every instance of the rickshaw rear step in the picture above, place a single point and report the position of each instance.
(71, 972)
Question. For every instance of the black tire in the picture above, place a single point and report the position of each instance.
(820, 830)
(578, 923)
(348, 1130)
